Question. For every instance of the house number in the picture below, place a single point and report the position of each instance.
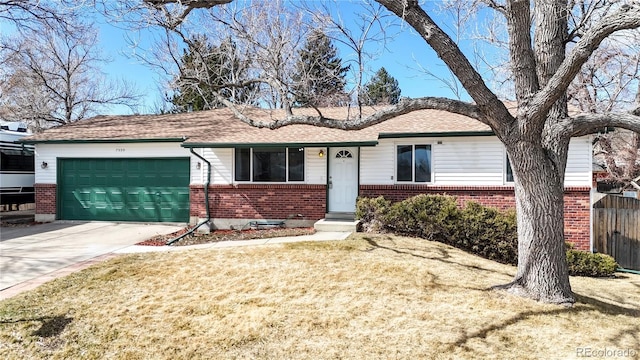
(119, 150)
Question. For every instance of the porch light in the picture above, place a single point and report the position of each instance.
(198, 165)
(321, 153)
(44, 165)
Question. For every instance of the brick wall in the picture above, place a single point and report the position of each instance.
(577, 217)
(260, 201)
(45, 195)
(281, 201)
(577, 223)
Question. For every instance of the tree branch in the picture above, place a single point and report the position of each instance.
(586, 124)
(493, 4)
(497, 115)
(186, 5)
(520, 49)
(193, 4)
(405, 106)
(628, 17)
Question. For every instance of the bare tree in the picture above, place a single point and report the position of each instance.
(266, 37)
(271, 35)
(620, 153)
(544, 62)
(24, 13)
(370, 25)
(52, 75)
(610, 81)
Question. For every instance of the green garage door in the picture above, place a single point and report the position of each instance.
(153, 190)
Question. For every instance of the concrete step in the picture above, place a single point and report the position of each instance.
(336, 225)
(342, 216)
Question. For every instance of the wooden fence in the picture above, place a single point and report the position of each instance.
(616, 229)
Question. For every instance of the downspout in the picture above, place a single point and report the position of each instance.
(206, 200)
(628, 271)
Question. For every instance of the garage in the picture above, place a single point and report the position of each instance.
(123, 189)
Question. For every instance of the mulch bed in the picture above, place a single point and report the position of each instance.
(225, 235)
(14, 223)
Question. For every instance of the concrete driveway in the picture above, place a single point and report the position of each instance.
(30, 252)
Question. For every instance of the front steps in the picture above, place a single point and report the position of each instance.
(337, 222)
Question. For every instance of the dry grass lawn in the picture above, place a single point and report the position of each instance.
(369, 297)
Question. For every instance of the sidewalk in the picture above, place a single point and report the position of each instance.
(318, 236)
(37, 281)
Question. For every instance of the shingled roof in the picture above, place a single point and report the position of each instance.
(220, 128)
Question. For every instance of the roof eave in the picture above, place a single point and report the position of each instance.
(103, 141)
(436, 134)
(278, 144)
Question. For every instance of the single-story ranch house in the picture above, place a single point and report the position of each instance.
(156, 168)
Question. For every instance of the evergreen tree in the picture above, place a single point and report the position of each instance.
(320, 77)
(206, 68)
(382, 89)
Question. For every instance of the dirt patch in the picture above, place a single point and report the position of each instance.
(225, 235)
(19, 223)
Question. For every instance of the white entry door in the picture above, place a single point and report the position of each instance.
(343, 179)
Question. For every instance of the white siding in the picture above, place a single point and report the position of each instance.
(468, 161)
(50, 152)
(377, 164)
(221, 161)
(465, 161)
(316, 166)
(579, 162)
(197, 175)
(221, 166)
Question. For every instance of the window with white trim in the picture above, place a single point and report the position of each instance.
(508, 175)
(269, 164)
(413, 163)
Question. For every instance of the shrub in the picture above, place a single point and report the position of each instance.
(371, 211)
(432, 217)
(583, 263)
(489, 233)
(481, 230)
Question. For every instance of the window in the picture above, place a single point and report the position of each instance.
(15, 159)
(509, 171)
(413, 163)
(278, 164)
(295, 165)
(243, 165)
(344, 154)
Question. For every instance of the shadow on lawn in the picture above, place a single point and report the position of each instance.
(633, 332)
(444, 256)
(607, 307)
(583, 304)
(50, 326)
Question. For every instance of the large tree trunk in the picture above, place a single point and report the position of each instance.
(542, 267)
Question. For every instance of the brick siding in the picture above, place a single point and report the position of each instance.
(282, 201)
(250, 201)
(45, 195)
(577, 223)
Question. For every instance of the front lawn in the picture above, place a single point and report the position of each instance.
(369, 297)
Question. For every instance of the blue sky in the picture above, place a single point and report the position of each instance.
(400, 60)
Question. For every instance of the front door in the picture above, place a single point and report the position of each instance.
(343, 179)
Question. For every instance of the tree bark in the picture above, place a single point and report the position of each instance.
(542, 268)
